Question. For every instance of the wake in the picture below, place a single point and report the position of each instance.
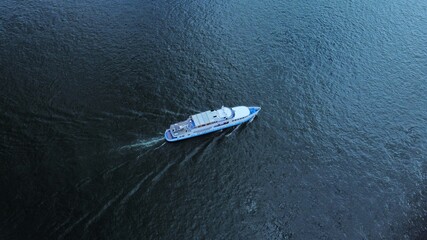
(144, 143)
(228, 134)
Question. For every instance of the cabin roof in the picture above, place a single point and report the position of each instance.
(210, 116)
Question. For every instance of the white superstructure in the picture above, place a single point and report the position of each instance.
(210, 121)
(208, 117)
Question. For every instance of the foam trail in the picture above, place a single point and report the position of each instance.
(194, 110)
(227, 135)
(160, 146)
(190, 156)
(68, 230)
(134, 189)
(150, 150)
(104, 208)
(144, 143)
(161, 173)
(171, 113)
(251, 119)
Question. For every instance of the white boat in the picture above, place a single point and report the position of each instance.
(210, 121)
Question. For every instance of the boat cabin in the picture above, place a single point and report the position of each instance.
(208, 117)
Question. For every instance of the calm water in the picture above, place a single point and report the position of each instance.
(339, 150)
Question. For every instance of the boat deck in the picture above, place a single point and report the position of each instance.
(199, 124)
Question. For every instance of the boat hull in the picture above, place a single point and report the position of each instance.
(253, 112)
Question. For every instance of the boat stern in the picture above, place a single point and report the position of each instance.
(169, 137)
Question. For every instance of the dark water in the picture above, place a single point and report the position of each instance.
(339, 150)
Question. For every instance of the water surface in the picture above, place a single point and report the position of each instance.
(87, 89)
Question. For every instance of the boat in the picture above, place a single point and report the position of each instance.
(210, 121)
